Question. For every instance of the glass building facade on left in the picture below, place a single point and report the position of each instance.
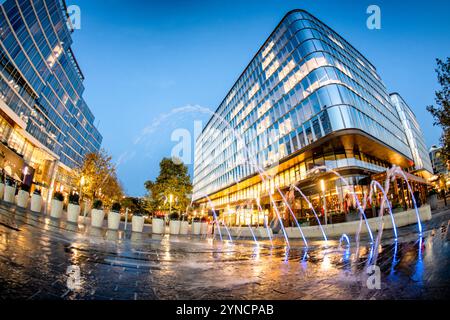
(46, 127)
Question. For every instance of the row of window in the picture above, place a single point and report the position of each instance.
(255, 74)
(284, 123)
(317, 78)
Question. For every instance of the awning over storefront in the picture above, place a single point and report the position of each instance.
(409, 176)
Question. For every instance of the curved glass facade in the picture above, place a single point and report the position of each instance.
(305, 84)
(40, 80)
(414, 134)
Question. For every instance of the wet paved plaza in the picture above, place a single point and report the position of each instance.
(36, 252)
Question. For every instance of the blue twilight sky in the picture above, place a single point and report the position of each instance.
(142, 59)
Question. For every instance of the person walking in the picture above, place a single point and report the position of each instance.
(444, 196)
(417, 198)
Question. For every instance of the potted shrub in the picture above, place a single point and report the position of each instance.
(204, 226)
(137, 223)
(174, 224)
(433, 198)
(196, 226)
(97, 214)
(158, 225)
(396, 208)
(304, 222)
(73, 210)
(23, 196)
(184, 226)
(10, 190)
(57, 205)
(36, 201)
(114, 216)
(2, 186)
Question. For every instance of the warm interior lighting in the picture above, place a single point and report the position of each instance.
(322, 185)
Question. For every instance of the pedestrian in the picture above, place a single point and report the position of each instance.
(444, 195)
(417, 198)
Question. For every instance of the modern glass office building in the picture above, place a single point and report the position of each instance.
(307, 99)
(46, 127)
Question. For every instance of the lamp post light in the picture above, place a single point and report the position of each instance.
(322, 187)
(170, 206)
(170, 202)
(82, 183)
(25, 174)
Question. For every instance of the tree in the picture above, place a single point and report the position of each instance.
(173, 180)
(98, 178)
(136, 205)
(441, 113)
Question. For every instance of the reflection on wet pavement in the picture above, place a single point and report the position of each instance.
(36, 252)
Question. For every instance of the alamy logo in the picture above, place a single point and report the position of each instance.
(183, 150)
(74, 13)
(374, 20)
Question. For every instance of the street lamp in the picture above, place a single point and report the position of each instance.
(82, 183)
(322, 187)
(25, 173)
(170, 205)
(170, 202)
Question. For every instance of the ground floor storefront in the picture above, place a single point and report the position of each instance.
(327, 198)
(326, 183)
(26, 161)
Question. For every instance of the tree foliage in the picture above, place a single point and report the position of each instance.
(441, 112)
(135, 205)
(99, 177)
(173, 180)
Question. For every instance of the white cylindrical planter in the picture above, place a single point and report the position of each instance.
(22, 198)
(2, 189)
(36, 203)
(137, 224)
(174, 227)
(433, 200)
(184, 228)
(204, 228)
(9, 195)
(97, 217)
(57, 208)
(158, 226)
(73, 212)
(196, 228)
(113, 220)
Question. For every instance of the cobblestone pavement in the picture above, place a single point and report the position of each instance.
(36, 251)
